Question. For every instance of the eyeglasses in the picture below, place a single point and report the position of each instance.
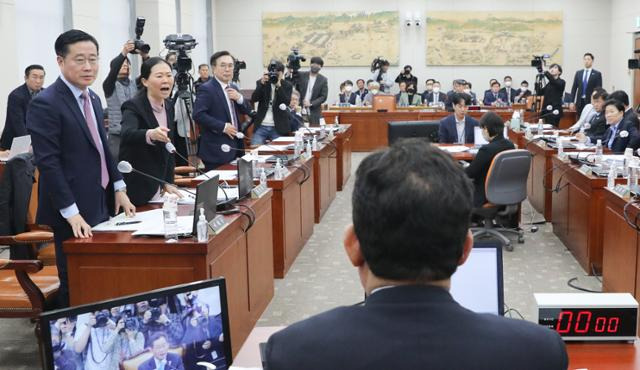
(80, 61)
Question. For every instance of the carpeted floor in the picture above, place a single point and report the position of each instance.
(322, 278)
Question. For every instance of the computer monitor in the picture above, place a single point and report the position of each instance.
(478, 284)
(245, 178)
(404, 129)
(478, 139)
(207, 198)
(182, 325)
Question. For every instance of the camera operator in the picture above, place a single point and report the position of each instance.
(380, 68)
(94, 339)
(271, 92)
(203, 337)
(553, 93)
(204, 76)
(129, 342)
(118, 87)
(158, 319)
(314, 90)
(407, 77)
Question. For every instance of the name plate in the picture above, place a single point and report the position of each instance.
(585, 169)
(217, 224)
(258, 191)
(621, 190)
(563, 156)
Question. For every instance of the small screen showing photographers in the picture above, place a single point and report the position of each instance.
(174, 331)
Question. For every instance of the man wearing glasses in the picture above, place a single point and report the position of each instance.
(80, 185)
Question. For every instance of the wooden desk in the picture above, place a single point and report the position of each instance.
(459, 156)
(517, 138)
(114, 264)
(578, 213)
(540, 181)
(592, 356)
(370, 128)
(343, 159)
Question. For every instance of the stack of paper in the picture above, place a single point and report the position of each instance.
(454, 148)
(188, 197)
(224, 175)
(124, 223)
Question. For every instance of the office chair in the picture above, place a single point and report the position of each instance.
(505, 189)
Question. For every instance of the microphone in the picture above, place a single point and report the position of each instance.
(126, 167)
(172, 149)
(245, 125)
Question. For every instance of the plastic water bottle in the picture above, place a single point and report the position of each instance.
(203, 228)
(598, 158)
(170, 215)
(263, 177)
(628, 158)
(309, 150)
(278, 170)
(314, 143)
(560, 147)
(336, 120)
(611, 178)
(540, 127)
(515, 121)
(299, 144)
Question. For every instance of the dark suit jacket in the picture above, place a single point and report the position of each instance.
(553, 93)
(67, 158)
(525, 95)
(595, 80)
(511, 98)
(489, 98)
(448, 133)
(281, 95)
(621, 143)
(211, 112)
(15, 193)
(155, 160)
(442, 97)
(295, 120)
(597, 129)
(174, 362)
(479, 167)
(318, 94)
(413, 327)
(632, 116)
(15, 124)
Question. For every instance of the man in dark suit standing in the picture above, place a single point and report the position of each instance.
(458, 128)
(584, 82)
(405, 261)
(15, 124)
(273, 97)
(313, 89)
(216, 109)
(79, 181)
(162, 359)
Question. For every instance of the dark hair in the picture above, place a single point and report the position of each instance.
(166, 57)
(407, 66)
(369, 81)
(358, 80)
(436, 82)
(493, 122)
(429, 79)
(157, 335)
(589, 54)
(556, 65)
(411, 208)
(469, 84)
(31, 68)
(600, 93)
(459, 81)
(509, 77)
(620, 96)
(145, 70)
(616, 103)
(348, 82)
(524, 82)
(317, 60)
(278, 64)
(491, 81)
(71, 37)
(457, 98)
(217, 55)
(495, 83)
(203, 65)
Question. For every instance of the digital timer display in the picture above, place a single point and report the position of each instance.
(595, 322)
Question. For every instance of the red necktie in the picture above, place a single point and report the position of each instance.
(93, 128)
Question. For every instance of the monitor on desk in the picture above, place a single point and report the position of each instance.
(477, 284)
(207, 198)
(182, 325)
(245, 178)
(406, 129)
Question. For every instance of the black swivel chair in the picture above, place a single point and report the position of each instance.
(505, 189)
(406, 129)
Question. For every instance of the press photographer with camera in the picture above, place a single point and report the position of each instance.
(314, 90)
(553, 93)
(119, 87)
(272, 93)
(407, 77)
(94, 339)
(380, 69)
(158, 319)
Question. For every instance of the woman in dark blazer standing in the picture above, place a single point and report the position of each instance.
(147, 125)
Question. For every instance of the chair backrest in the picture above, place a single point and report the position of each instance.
(404, 129)
(506, 181)
(384, 103)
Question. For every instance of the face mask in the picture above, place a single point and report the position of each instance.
(436, 89)
(407, 71)
(485, 135)
(467, 91)
(524, 88)
(507, 83)
(374, 91)
(348, 88)
(315, 69)
(411, 91)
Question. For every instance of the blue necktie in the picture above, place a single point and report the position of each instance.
(614, 130)
(584, 83)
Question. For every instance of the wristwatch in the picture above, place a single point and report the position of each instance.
(124, 190)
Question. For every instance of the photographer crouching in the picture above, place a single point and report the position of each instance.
(272, 93)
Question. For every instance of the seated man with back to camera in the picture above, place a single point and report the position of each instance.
(458, 128)
(405, 261)
(273, 94)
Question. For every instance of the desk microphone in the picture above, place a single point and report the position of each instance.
(126, 167)
(554, 112)
(172, 149)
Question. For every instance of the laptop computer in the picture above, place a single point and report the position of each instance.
(478, 139)
(200, 307)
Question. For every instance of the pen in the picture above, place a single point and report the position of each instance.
(127, 223)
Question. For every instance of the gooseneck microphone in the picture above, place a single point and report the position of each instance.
(126, 167)
(172, 149)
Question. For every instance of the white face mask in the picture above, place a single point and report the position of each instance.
(507, 83)
(436, 89)
(467, 91)
(348, 88)
(374, 91)
(524, 88)
(485, 135)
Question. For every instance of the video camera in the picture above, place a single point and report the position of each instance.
(378, 63)
(634, 63)
(237, 66)
(102, 319)
(154, 307)
(539, 61)
(294, 59)
(181, 43)
(272, 71)
(140, 45)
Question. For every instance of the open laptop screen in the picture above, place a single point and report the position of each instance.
(177, 326)
(478, 283)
